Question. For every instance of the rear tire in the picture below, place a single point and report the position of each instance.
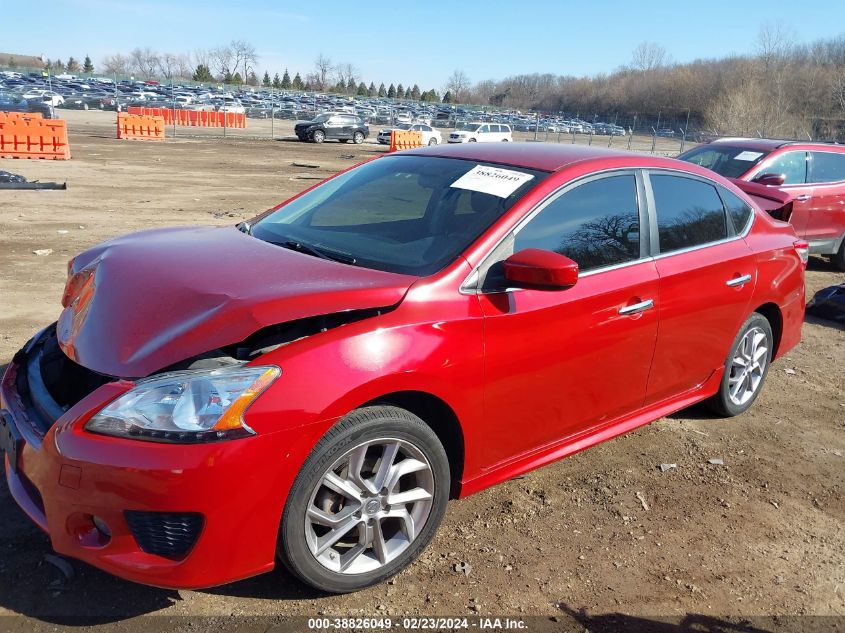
(358, 138)
(432, 141)
(838, 258)
(342, 528)
(746, 368)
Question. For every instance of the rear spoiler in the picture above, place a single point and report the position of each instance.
(772, 200)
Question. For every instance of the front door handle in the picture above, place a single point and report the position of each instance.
(738, 281)
(803, 197)
(642, 306)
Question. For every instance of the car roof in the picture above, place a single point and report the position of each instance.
(767, 144)
(545, 156)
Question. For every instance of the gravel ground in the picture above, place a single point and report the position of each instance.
(603, 532)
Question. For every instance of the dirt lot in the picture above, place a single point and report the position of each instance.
(760, 535)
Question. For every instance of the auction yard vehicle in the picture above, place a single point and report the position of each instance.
(331, 125)
(314, 385)
(430, 136)
(813, 174)
(481, 132)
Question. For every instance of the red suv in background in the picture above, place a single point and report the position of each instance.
(812, 174)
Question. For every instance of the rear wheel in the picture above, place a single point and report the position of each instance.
(838, 258)
(366, 502)
(472, 140)
(745, 368)
(432, 141)
(318, 136)
(358, 138)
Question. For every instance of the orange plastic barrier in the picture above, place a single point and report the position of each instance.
(400, 140)
(140, 128)
(7, 116)
(33, 137)
(194, 118)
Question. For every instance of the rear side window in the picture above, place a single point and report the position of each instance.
(689, 213)
(791, 165)
(739, 212)
(827, 167)
(596, 224)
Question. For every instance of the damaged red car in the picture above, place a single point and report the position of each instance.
(311, 387)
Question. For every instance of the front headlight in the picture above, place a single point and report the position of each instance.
(187, 406)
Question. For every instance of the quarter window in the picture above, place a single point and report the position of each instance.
(738, 210)
(792, 165)
(689, 213)
(596, 224)
(827, 167)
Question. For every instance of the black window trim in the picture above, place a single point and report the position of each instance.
(471, 284)
(825, 183)
(652, 214)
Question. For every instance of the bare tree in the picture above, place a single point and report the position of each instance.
(774, 42)
(221, 59)
(202, 57)
(458, 83)
(346, 74)
(648, 56)
(323, 68)
(115, 64)
(243, 57)
(145, 61)
(183, 66)
(167, 65)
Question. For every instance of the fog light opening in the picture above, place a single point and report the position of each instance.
(102, 527)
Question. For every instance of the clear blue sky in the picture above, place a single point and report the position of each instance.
(418, 41)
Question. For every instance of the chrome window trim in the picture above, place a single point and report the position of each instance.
(645, 219)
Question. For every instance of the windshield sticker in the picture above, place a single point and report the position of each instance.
(748, 156)
(493, 180)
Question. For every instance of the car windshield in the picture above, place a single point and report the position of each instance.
(403, 214)
(467, 127)
(727, 161)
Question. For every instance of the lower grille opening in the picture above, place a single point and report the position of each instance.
(167, 534)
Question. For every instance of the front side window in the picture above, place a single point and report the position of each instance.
(689, 212)
(596, 224)
(826, 167)
(484, 129)
(791, 165)
(404, 214)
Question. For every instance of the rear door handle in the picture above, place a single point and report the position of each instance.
(738, 281)
(803, 197)
(642, 306)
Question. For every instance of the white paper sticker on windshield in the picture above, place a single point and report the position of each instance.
(748, 156)
(493, 180)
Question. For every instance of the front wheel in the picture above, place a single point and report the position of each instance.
(358, 138)
(745, 368)
(432, 141)
(366, 502)
(318, 136)
(472, 140)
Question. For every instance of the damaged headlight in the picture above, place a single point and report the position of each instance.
(189, 406)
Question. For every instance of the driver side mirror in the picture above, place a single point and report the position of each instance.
(770, 180)
(540, 269)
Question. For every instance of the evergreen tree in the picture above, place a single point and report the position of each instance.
(371, 91)
(381, 91)
(297, 83)
(400, 91)
(391, 92)
(202, 74)
(408, 93)
(72, 65)
(362, 90)
(266, 80)
(447, 98)
(286, 84)
(227, 77)
(237, 79)
(350, 86)
(415, 93)
(87, 65)
(58, 66)
(252, 79)
(277, 83)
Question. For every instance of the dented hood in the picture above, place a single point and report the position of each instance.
(158, 297)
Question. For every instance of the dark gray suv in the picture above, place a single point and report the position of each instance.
(343, 127)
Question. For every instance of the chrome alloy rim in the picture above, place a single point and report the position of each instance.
(369, 506)
(748, 366)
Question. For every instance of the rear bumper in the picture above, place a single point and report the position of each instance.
(67, 476)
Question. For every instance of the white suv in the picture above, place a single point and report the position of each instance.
(481, 132)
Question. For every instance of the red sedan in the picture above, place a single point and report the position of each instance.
(313, 386)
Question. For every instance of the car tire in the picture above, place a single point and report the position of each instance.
(746, 368)
(472, 140)
(84, 106)
(353, 559)
(504, 140)
(318, 136)
(432, 141)
(358, 138)
(838, 258)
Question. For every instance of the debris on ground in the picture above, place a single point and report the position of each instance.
(716, 461)
(43, 252)
(462, 568)
(8, 180)
(829, 303)
(665, 467)
(308, 165)
(789, 371)
(641, 497)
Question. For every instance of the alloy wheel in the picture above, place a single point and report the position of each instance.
(748, 366)
(369, 506)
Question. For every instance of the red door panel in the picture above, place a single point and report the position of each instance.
(560, 362)
(703, 302)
